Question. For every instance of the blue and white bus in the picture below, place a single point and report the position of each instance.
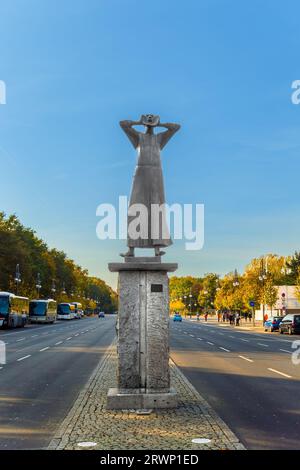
(14, 310)
(65, 311)
(42, 311)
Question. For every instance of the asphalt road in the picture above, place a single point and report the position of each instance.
(47, 366)
(247, 377)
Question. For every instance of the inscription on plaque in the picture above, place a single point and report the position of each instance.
(156, 288)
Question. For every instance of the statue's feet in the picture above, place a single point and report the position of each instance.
(159, 252)
(130, 252)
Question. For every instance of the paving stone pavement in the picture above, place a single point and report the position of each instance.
(170, 429)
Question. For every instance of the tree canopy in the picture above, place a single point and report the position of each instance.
(60, 277)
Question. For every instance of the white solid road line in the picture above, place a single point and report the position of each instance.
(22, 358)
(224, 349)
(44, 349)
(246, 358)
(280, 373)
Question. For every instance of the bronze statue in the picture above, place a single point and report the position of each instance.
(148, 186)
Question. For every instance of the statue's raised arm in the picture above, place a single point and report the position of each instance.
(164, 137)
(131, 133)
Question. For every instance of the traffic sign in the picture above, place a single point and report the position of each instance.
(252, 303)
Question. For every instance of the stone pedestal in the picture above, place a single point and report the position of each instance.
(143, 335)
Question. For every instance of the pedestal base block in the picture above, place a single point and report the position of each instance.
(125, 399)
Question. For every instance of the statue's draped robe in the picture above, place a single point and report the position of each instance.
(148, 189)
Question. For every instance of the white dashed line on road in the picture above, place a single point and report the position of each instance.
(21, 339)
(246, 340)
(224, 349)
(246, 358)
(280, 373)
(284, 350)
(261, 344)
(44, 349)
(208, 342)
(59, 342)
(22, 358)
(69, 338)
(200, 339)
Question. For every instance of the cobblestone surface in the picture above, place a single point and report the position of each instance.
(89, 421)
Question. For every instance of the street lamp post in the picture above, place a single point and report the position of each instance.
(190, 303)
(17, 278)
(236, 282)
(53, 288)
(262, 277)
(38, 284)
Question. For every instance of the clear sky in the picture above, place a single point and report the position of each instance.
(223, 69)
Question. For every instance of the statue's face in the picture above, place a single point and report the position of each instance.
(150, 120)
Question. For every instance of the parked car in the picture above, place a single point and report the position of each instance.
(290, 324)
(101, 315)
(272, 324)
(177, 317)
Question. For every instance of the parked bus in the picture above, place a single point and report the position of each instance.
(42, 311)
(78, 309)
(14, 310)
(65, 311)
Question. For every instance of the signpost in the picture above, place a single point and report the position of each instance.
(252, 304)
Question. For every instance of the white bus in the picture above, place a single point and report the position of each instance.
(14, 310)
(78, 309)
(42, 311)
(65, 311)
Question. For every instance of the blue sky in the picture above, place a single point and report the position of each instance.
(223, 69)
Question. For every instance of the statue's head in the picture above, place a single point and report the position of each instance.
(150, 120)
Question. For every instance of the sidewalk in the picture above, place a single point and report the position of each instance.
(243, 325)
(89, 421)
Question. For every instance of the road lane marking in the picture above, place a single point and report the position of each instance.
(44, 349)
(221, 334)
(246, 358)
(200, 339)
(246, 340)
(261, 344)
(21, 339)
(280, 373)
(212, 344)
(22, 358)
(59, 342)
(69, 338)
(224, 349)
(231, 336)
(284, 350)
(193, 336)
(34, 336)
(77, 334)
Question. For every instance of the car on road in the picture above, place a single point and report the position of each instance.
(101, 315)
(272, 324)
(177, 317)
(290, 324)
